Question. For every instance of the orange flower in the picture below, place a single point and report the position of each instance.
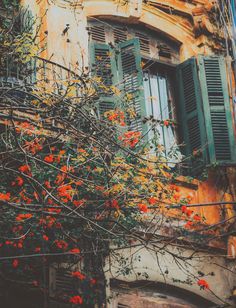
(24, 169)
(79, 183)
(152, 200)
(188, 225)
(19, 181)
(197, 217)
(5, 197)
(75, 250)
(203, 284)
(78, 202)
(47, 184)
(177, 196)
(143, 207)
(49, 159)
(76, 300)
(78, 275)
(21, 217)
(188, 212)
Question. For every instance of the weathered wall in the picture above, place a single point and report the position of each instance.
(152, 267)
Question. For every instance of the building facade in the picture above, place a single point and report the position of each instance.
(176, 59)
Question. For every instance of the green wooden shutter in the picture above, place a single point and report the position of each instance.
(206, 119)
(131, 82)
(217, 112)
(190, 111)
(102, 63)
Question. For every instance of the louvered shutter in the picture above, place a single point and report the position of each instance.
(192, 125)
(103, 66)
(217, 112)
(97, 33)
(131, 82)
(206, 119)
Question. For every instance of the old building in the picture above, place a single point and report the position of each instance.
(177, 59)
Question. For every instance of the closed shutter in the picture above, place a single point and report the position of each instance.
(131, 81)
(216, 104)
(206, 120)
(192, 125)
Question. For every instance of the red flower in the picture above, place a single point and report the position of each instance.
(152, 200)
(37, 249)
(114, 204)
(188, 225)
(184, 208)
(143, 207)
(203, 284)
(189, 212)
(176, 196)
(78, 202)
(197, 217)
(24, 169)
(20, 217)
(19, 181)
(15, 263)
(76, 300)
(45, 237)
(49, 159)
(79, 183)
(75, 250)
(5, 197)
(93, 281)
(61, 244)
(47, 184)
(78, 275)
(166, 123)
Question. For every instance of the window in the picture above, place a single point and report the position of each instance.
(160, 107)
(202, 110)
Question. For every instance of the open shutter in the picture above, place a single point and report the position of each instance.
(103, 66)
(192, 125)
(217, 112)
(131, 82)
